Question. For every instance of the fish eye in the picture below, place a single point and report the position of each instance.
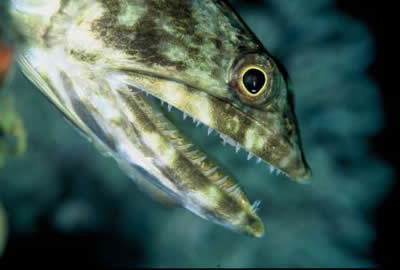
(253, 81)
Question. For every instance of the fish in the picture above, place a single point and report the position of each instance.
(116, 68)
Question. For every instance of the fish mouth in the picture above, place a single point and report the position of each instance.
(280, 151)
(212, 193)
(194, 178)
(123, 111)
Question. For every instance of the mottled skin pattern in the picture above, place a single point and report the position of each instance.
(103, 64)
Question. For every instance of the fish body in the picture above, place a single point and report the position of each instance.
(108, 65)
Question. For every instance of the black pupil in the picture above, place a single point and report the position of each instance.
(254, 80)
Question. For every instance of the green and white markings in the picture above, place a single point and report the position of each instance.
(188, 173)
(109, 65)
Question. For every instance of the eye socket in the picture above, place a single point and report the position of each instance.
(253, 81)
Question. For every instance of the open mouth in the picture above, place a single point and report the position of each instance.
(170, 109)
(191, 126)
(211, 191)
(146, 117)
(177, 127)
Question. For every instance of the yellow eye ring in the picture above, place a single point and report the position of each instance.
(253, 81)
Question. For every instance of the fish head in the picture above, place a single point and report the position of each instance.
(108, 65)
(215, 71)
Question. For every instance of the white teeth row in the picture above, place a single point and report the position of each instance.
(277, 171)
(225, 139)
(221, 181)
(199, 160)
(233, 190)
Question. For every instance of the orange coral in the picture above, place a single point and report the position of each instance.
(5, 61)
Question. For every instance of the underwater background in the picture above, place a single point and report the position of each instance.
(67, 204)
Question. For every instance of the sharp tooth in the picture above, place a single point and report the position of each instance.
(198, 123)
(147, 94)
(184, 116)
(162, 102)
(250, 155)
(258, 160)
(236, 192)
(210, 130)
(185, 147)
(237, 148)
(192, 153)
(199, 160)
(211, 171)
(271, 169)
(278, 172)
(233, 188)
(221, 181)
(227, 139)
(169, 107)
(194, 120)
